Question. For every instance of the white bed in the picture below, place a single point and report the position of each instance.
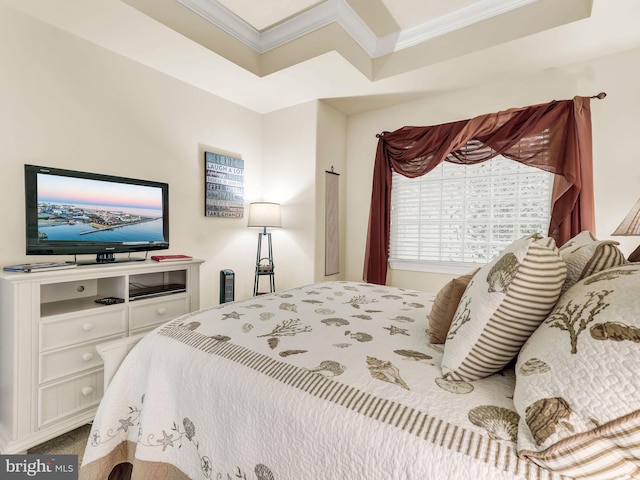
(339, 380)
(329, 381)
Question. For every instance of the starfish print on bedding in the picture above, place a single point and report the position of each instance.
(234, 315)
(125, 423)
(176, 439)
(166, 441)
(131, 420)
(393, 330)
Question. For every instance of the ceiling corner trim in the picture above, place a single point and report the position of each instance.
(331, 11)
(225, 20)
(339, 11)
(446, 23)
(357, 28)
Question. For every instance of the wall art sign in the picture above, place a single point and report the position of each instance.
(224, 186)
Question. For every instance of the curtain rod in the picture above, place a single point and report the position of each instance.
(599, 96)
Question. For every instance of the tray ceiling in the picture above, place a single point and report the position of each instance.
(355, 54)
(367, 33)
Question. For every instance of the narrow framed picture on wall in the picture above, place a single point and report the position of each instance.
(332, 220)
(224, 186)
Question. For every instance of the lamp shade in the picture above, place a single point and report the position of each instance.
(264, 214)
(631, 223)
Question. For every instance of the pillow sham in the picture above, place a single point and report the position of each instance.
(503, 304)
(444, 307)
(585, 255)
(577, 385)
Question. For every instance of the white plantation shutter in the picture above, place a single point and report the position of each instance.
(458, 216)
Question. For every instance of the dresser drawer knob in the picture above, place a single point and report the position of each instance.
(162, 310)
(87, 356)
(87, 327)
(87, 391)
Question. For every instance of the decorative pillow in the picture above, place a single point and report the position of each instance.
(444, 307)
(577, 384)
(503, 304)
(585, 255)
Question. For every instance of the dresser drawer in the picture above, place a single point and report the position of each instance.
(157, 311)
(69, 397)
(101, 322)
(60, 363)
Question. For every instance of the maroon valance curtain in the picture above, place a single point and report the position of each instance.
(554, 136)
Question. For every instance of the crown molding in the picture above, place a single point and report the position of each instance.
(226, 21)
(447, 23)
(326, 13)
(340, 11)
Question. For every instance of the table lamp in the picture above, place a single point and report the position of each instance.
(630, 226)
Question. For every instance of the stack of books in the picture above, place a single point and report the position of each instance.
(170, 258)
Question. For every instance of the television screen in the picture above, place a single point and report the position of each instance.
(71, 212)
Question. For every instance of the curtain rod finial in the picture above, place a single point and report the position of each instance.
(600, 96)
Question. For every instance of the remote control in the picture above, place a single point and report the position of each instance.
(109, 300)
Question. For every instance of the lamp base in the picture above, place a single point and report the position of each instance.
(264, 265)
(635, 255)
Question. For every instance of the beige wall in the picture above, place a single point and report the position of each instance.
(69, 104)
(289, 179)
(615, 125)
(300, 144)
(331, 151)
(77, 106)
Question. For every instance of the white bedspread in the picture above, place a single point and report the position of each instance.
(329, 381)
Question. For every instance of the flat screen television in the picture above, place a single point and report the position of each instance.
(75, 213)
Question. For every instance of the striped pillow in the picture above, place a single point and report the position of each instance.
(504, 303)
(577, 384)
(585, 255)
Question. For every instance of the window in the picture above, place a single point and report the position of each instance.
(459, 216)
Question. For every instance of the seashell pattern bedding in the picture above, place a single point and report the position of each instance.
(335, 380)
(577, 388)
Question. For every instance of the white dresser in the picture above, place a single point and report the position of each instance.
(51, 376)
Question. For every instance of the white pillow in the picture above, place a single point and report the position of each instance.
(585, 255)
(504, 303)
(578, 384)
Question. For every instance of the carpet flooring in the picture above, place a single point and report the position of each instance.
(71, 443)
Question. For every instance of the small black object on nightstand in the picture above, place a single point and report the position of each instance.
(109, 300)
